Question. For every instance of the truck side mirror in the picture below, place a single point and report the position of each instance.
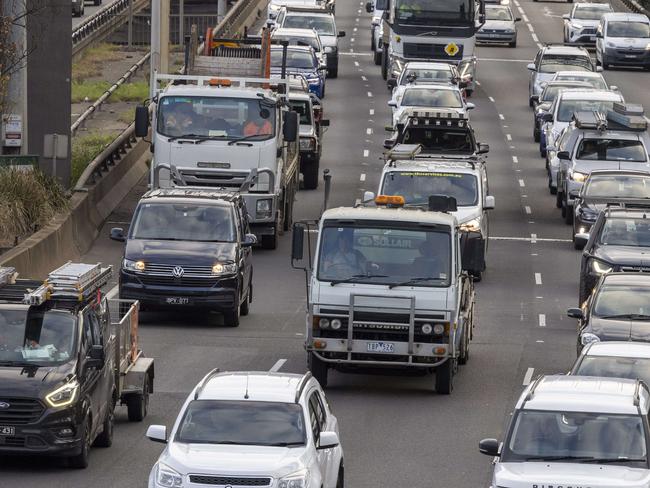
(297, 242)
(369, 7)
(472, 252)
(117, 234)
(489, 203)
(392, 83)
(389, 143)
(141, 121)
(290, 127)
(483, 148)
(368, 196)
(325, 123)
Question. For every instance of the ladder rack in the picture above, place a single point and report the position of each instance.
(72, 281)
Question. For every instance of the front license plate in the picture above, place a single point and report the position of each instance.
(177, 301)
(381, 347)
(630, 56)
(7, 430)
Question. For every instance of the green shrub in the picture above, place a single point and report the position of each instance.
(128, 92)
(85, 149)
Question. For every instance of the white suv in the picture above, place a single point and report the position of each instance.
(251, 429)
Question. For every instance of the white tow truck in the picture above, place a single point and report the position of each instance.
(227, 124)
(387, 289)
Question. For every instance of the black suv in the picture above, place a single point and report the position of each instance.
(619, 240)
(189, 248)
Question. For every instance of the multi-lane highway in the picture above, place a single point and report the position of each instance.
(395, 430)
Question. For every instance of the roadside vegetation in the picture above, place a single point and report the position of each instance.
(92, 60)
(85, 149)
(92, 90)
(28, 201)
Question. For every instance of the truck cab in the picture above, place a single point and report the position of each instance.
(386, 289)
(61, 359)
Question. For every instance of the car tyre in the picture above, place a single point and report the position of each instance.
(513, 44)
(583, 294)
(384, 62)
(245, 308)
(105, 439)
(341, 478)
(531, 104)
(536, 134)
(376, 57)
(319, 369)
(463, 357)
(137, 404)
(558, 198)
(80, 461)
(334, 72)
(552, 189)
(445, 378)
(568, 215)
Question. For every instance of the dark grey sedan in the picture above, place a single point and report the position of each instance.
(499, 27)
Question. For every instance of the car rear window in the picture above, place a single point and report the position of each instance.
(552, 63)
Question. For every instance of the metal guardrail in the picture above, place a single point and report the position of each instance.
(229, 26)
(635, 6)
(103, 22)
(95, 107)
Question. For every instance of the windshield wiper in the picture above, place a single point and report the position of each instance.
(285, 444)
(615, 460)
(560, 458)
(198, 138)
(630, 316)
(246, 138)
(413, 280)
(356, 277)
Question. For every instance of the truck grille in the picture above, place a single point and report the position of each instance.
(430, 51)
(227, 480)
(20, 411)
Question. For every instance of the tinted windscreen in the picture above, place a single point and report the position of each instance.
(385, 256)
(441, 75)
(618, 186)
(611, 150)
(613, 367)
(624, 301)
(553, 64)
(628, 29)
(36, 336)
(498, 13)
(596, 81)
(590, 12)
(417, 186)
(303, 109)
(243, 423)
(301, 41)
(626, 232)
(442, 141)
(181, 222)
(568, 107)
(564, 436)
(212, 117)
(426, 97)
(322, 24)
(434, 12)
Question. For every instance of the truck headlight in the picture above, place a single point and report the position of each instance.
(64, 395)
(224, 269)
(427, 329)
(263, 208)
(600, 268)
(299, 479)
(329, 49)
(324, 323)
(473, 225)
(588, 338)
(336, 324)
(439, 329)
(577, 25)
(307, 143)
(168, 477)
(130, 265)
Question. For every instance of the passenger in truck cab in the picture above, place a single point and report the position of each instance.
(431, 262)
(180, 120)
(258, 123)
(342, 260)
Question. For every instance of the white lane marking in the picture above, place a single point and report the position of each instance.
(502, 117)
(538, 278)
(366, 153)
(351, 50)
(372, 111)
(355, 29)
(356, 63)
(527, 209)
(509, 137)
(534, 36)
(112, 292)
(357, 202)
(364, 78)
(491, 99)
(533, 238)
(362, 177)
(530, 28)
(369, 94)
(478, 83)
(351, 53)
(524, 16)
(359, 11)
(522, 183)
(515, 159)
(369, 131)
(278, 364)
(528, 377)
(352, 39)
(539, 342)
(542, 320)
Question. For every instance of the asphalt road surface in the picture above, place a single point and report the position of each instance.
(89, 10)
(396, 431)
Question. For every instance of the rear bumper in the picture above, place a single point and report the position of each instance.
(495, 38)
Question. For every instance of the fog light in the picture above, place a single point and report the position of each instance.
(324, 323)
(426, 328)
(320, 344)
(439, 329)
(336, 324)
(67, 432)
(439, 351)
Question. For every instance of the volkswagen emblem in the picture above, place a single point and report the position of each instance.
(4, 405)
(178, 272)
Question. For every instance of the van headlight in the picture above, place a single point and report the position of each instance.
(168, 477)
(219, 269)
(299, 479)
(588, 338)
(131, 265)
(473, 225)
(64, 395)
(600, 268)
(263, 208)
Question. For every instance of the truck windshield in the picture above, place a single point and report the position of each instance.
(626, 232)
(223, 118)
(303, 109)
(630, 186)
(440, 140)
(417, 186)
(426, 97)
(383, 255)
(574, 437)
(322, 24)
(242, 423)
(615, 367)
(183, 222)
(611, 150)
(434, 12)
(35, 336)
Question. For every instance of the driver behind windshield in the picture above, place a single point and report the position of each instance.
(258, 122)
(181, 120)
(341, 260)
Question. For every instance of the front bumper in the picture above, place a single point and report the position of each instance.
(586, 36)
(582, 226)
(162, 292)
(626, 57)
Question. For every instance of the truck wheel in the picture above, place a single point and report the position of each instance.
(310, 174)
(80, 461)
(376, 57)
(105, 439)
(231, 317)
(445, 377)
(334, 72)
(464, 348)
(318, 369)
(384, 63)
(137, 404)
(244, 308)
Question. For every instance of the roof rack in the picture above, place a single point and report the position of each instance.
(403, 151)
(72, 281)
(8, 276)
(533, 386)
(203, 382)
(590, 120)
(435, 117)
(628, 115)
(302, 384)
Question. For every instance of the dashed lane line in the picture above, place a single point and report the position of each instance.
(278, 364)
(538, 278)
(528, 377)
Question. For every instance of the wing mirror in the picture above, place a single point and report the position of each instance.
(157, 433)
(489, 447)
(389, 143)
(141, 121)
(392, 103)
(392, 83)
(581, 240)
(470, 106)
(566, 17)
(517, 19)
(341, 34)
(370, 7)
(249, 240)
(489, 203)
(327, 440)
(368, 196)
(117, 234)
(483, 148)
(564, 155)
(531, 67)
(575, 313)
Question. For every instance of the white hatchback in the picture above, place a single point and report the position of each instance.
(251, 429)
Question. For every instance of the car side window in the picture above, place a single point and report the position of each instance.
(313, 419)
(87, 328)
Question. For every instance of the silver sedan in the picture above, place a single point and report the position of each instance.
(500, 26)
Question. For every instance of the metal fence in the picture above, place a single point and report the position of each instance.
(141, 28)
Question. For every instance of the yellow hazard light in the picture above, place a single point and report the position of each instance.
(394, 200)
(318, 344)
(220, 82)
(439, 351)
